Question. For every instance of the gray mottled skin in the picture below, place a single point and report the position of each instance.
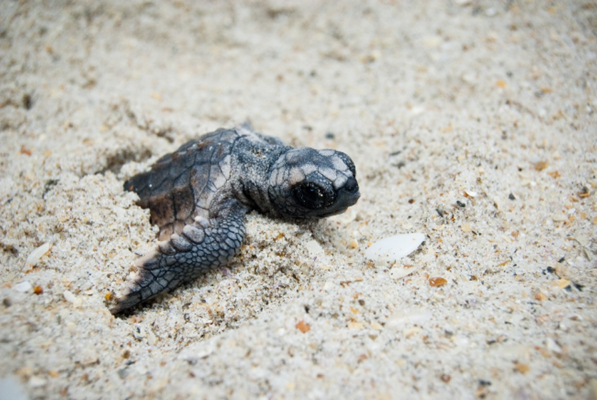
(199, 195)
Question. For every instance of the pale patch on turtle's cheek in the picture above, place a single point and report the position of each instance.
(308, 169)
(275, 177)
(296, 176)
(280, 177)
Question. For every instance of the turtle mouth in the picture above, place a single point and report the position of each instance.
(331, 214)
(346, 198)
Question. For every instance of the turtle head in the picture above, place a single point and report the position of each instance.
(309, 183)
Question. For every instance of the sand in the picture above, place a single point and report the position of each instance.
(471, 122)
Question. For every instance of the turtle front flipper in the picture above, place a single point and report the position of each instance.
(204, 245)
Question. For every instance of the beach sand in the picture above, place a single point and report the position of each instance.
(471, 122)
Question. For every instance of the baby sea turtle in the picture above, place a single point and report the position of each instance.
(199, 195)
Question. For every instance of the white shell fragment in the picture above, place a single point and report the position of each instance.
(394, 248)
(71, 298)
(23, 287)
(400, 271)
(36, 255)
(68, 296)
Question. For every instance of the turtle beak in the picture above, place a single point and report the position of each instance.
(348, 196)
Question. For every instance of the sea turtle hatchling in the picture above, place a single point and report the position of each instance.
(199, 195)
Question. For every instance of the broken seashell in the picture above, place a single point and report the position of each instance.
(36, 255)
(394, 248)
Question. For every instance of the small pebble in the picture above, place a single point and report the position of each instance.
(123, 373)
(376, 326)
(437, 282)
(584, 193)
(552, 346)
(139, 332)
(303, 326)
(355, 325)
(36, 381)
(87, 357)
(151, 338)
(541, 165)
(540, 296)
(559, 217)
(522, 368)
(25, 150)
(578, 286)
(563, 283)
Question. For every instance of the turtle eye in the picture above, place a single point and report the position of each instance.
(310, 195)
